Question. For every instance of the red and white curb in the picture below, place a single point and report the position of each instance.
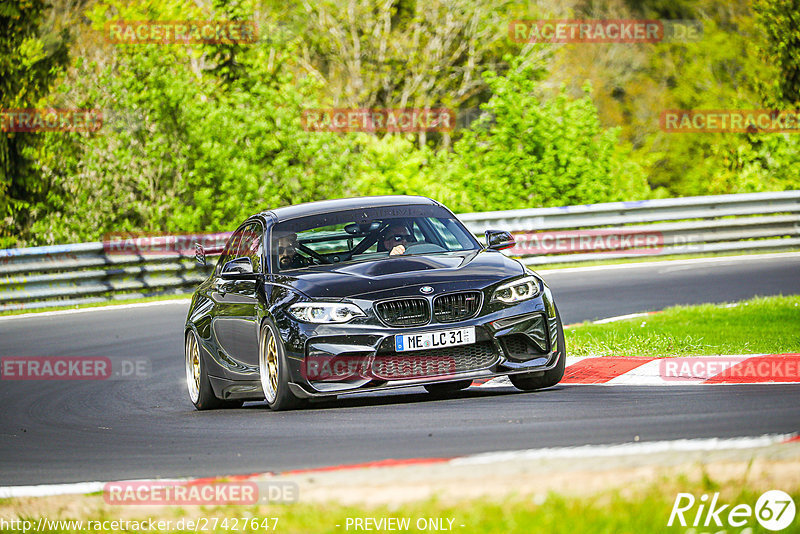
(550, 453)
(699, 370)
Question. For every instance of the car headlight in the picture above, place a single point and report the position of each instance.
(325, 312)
(518, 290)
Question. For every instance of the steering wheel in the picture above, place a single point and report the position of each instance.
(314, 254)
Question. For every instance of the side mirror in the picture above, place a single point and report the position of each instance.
(499, 239)
(240, 268)
(199, 254)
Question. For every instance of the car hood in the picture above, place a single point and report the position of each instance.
(358, 280)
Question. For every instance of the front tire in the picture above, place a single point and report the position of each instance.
(199, 386)
(550, 378)
(273, 370)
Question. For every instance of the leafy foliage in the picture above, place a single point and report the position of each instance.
(533, 152)
(779, 20)
(30, 60)
(198, 136)
(178, 154)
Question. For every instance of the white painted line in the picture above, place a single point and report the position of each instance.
(695, 261)
(56, 313)
(47, 490)
(625, 449)
(613, 319)
(621, 317)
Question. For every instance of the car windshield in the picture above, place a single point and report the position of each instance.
(367, 234)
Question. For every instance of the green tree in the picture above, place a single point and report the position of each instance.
(530, 152)
(179, 154)
(779, 22)
(31, 58)
(407, 53)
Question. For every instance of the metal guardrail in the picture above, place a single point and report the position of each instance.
(690, 225)
(87, 273)
(65, 275)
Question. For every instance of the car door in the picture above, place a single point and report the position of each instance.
(235, 320)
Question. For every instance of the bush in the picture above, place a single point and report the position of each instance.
(527, 152)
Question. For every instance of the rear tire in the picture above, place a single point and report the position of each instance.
(448, 387)
(199, 386)
(273, 370)
(550, 378)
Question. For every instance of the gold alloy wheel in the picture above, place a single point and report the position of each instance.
(268, 364)
(192, 367)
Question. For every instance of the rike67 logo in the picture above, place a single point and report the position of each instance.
(774, 511)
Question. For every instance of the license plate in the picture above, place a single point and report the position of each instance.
(434, 340)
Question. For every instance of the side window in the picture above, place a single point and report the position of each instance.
(250, 245)
(229, 252)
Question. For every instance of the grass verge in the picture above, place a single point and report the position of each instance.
(608, 512)
(761, 325)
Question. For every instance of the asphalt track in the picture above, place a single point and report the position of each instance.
(70, 431)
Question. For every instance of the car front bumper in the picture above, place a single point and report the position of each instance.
(339, 359)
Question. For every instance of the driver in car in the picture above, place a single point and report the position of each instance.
(288, 258)
(396, 239)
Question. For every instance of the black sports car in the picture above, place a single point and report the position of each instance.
(364, 294)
